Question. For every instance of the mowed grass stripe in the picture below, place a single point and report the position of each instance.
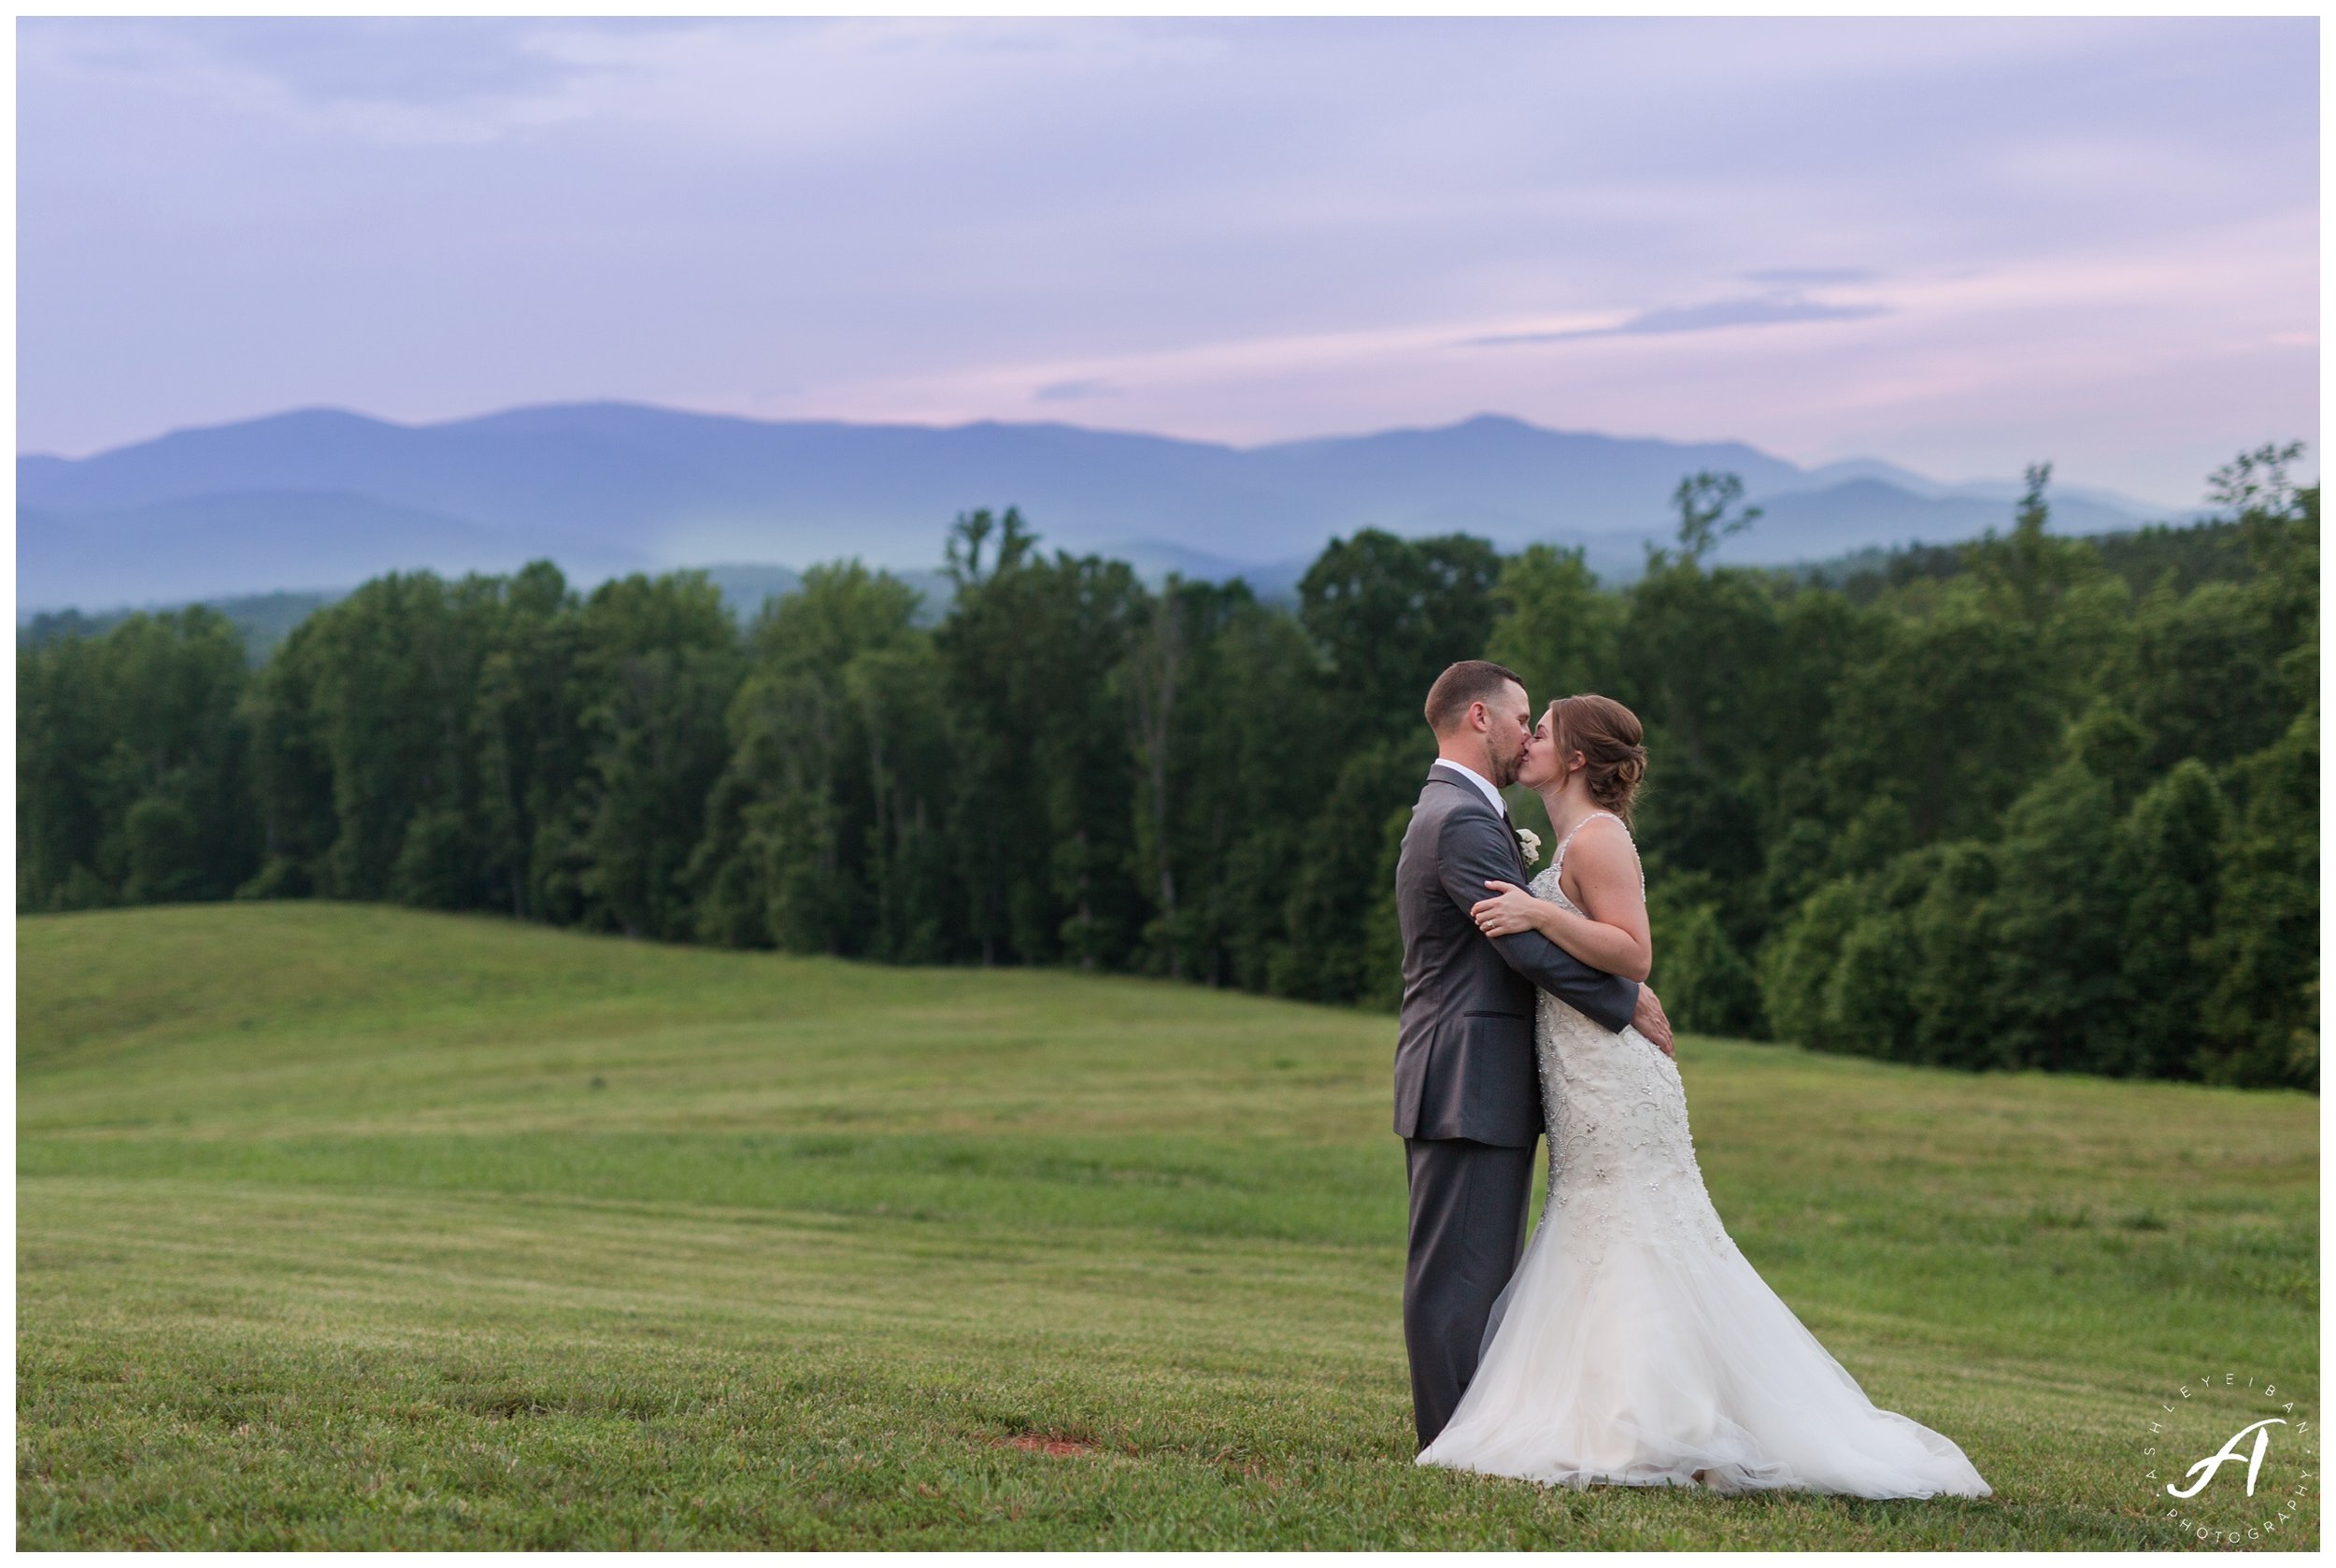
(803, 1384)
(1292, 1192)
(1980, 1271)
(360, 1227)
(608, 1261)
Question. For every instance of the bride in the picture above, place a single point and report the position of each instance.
(1635, 1344)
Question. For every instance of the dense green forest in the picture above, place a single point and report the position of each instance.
(2026, 802)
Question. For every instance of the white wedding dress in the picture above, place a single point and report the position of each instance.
(1635, 1344)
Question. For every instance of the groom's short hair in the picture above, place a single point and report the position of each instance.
(1470, 680)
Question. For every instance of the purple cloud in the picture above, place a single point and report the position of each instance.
(1765, 311)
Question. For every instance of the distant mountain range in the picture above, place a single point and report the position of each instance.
(323, 499)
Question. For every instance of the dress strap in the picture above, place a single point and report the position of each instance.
(1567, 841)
(1556, 863)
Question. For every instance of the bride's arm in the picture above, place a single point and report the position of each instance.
(1612, 937)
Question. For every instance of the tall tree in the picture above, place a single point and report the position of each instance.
(658, 660)
(799, 836)
(134, 755)
(524, 733)
(1390, 614)
(1044, 823)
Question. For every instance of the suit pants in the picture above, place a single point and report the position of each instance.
(1469, 1202)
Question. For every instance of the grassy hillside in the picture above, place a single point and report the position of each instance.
(347, 1226)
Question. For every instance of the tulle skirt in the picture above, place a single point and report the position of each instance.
(1667, 1360)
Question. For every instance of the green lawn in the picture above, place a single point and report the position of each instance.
(342, 1226)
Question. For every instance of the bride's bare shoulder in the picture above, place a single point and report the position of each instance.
(1603, 839)
(1603, 852)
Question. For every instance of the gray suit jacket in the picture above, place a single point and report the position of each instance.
(1464, 1064)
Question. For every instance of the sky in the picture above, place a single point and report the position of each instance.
(1962, 245)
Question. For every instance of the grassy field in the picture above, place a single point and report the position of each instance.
(342, 1226)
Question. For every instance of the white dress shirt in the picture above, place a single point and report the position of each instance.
(1500, 806)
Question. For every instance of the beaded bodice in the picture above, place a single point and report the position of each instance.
(1621, 1159)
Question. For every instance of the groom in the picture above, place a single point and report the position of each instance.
(1467, 1087)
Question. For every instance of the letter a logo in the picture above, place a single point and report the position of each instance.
(2213, 1463)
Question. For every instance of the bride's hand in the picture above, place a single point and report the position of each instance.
(1506, 913)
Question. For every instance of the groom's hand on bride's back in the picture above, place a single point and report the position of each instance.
(1648, 1019)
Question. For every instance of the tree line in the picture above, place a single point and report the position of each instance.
(2029, 802)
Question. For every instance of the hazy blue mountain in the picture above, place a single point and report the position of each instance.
(202, 545)
(745, 586)
(1984, 490)
(323, 499)
(1859, 513)
(1156, 560)
(264, 619)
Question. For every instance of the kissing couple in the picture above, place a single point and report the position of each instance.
(1628, 1341)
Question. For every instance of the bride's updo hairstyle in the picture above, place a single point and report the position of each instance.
(1608, 737)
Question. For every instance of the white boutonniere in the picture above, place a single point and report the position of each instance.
(1530, 842)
